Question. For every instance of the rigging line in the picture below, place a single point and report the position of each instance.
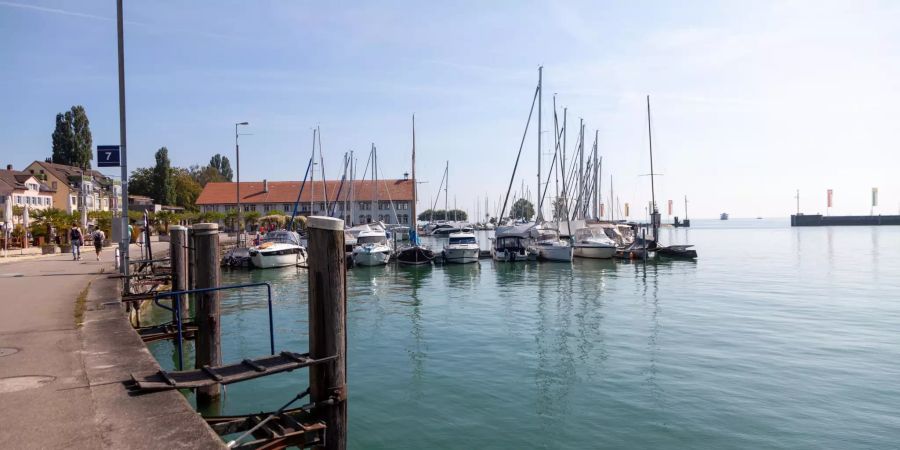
(512, 178)
(340, 188)
(388, 196)
(438, 197)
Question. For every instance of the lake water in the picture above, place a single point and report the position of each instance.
(774, 338)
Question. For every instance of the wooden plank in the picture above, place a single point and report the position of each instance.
(231, 373)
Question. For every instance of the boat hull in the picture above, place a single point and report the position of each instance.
(509, 255)
(415, 256)
(376, 258)
(264, 260)
(555, 253)
(461, 255)
(594, 252)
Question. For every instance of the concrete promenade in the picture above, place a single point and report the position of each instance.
(65, 348)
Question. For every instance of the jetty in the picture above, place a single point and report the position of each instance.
(818, 220)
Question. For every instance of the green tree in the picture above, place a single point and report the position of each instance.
(522, 209)
(559, 208)
(222, 165)
(141, 182)
(251, 217)
(163, 185)
(72, 140)
(205, 174)
(186, 189)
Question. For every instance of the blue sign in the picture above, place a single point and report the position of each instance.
(108, 156)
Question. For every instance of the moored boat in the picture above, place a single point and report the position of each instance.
(371, 249)
(278, 249)
(549, 247)
(593, 243)
(462, 248)
(511, 243)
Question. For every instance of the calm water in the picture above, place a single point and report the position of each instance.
(774, 338)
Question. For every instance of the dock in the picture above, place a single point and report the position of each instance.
(818, 220)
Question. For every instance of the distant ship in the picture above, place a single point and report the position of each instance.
(723, 216)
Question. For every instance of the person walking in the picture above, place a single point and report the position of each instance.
(76, 238)
(98, 236)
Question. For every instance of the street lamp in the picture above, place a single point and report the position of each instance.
(237, 151)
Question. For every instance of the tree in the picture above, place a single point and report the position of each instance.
(222, 165)
(251, 217)
(72, 140)
(522, 209)
(186, 189)
(163, 186)
(559, 208)
(141, 182)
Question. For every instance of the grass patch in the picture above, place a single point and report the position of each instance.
(81, 304)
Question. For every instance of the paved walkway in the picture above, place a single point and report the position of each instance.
(62, 386)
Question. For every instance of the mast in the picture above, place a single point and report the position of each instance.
(352, 174)
(540, 215)
(322, 163)
(312, 175)
(374, 180)
(414, 219)
(446, 185)
(581, 198)
(685, 208)
(654, 217)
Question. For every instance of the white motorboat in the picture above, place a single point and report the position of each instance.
(371, 249)
(463, 248)
(447, 228)
(512, 242)
(593, 243)
(549, 247)
(278, 249)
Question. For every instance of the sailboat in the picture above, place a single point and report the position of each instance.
(672, 251)
(415, 254)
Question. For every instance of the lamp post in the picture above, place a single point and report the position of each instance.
(237, 151)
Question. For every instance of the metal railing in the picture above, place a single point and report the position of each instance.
(176, 311)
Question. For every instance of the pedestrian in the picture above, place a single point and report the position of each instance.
(98, 236)
(76, 239)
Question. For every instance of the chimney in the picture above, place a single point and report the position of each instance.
(265, 185)
(405, 175)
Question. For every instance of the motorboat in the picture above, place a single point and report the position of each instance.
(512, 242)
(548, 245)
(593, 243)
(280, 248)
(446, 228)
(371, 249)
(677, 252)
(462, 248)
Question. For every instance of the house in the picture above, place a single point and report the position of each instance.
(390, 202)
(19, 188)
(67, 182)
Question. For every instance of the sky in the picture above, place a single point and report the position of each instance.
(751, 101)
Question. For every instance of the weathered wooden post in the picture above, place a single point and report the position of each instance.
(208, 349)
(328, 326)
(178, 255)
(192, 259)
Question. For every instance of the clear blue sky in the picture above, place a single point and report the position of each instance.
(751, 100)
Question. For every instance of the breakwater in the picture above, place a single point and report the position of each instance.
(818, 220)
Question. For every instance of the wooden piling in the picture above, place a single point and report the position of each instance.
(328, 326)
(208, 351)
(178, 255)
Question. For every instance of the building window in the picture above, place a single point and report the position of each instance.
(248, 208)
(287, 207)
(53, 185)
(402, 205)
(365, 205)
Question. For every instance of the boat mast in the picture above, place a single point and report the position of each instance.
(540, 200)
(374, 181)
(685, 208)
(352, 174)
(322, 163)
(654, 218)
(413, 233)
(446, 185)
(312, 175)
